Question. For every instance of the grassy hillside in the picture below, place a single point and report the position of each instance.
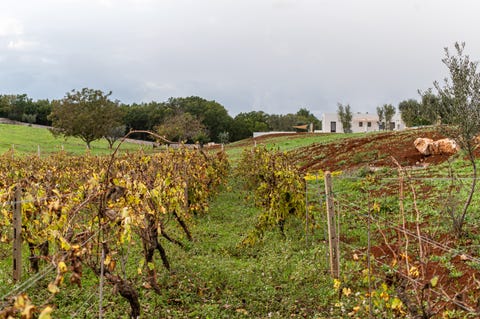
(284, 142)
(26, 140)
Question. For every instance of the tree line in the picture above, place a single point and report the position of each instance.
(92, 114)
(455, 102)
(431, 109)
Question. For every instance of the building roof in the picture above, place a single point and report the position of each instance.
(358, 116)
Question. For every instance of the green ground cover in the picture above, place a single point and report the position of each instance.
(215, 277)
(284, 143)
(27, 140)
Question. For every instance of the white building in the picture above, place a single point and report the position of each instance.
(361, 122)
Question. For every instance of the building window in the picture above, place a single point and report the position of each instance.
(369, 124)
(333, 127)
(360, 124)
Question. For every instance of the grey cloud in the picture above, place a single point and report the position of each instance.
(274, 55)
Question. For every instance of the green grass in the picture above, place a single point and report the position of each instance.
(243, 282)
(286, 143)
(214, 277)
(27, 140)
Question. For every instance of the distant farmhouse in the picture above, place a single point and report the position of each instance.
(361, 122)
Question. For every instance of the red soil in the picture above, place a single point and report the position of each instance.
(372, 150)
(458, 278)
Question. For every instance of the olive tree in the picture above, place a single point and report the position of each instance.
(345, 117)
(414, 113)
(381, 117)
(183, 127)
(385, 114)
(389, 112)
(114, 134)
(460, 108)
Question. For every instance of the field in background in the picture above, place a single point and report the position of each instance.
(26, 140)
(284, 142)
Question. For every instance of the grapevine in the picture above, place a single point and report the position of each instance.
(76, 209)
(278, 189)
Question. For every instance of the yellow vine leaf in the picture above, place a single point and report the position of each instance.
(45, 314)
(414, 272)
(19, 302)
(53, 288)
(336, 284)
(28, 309)
(64, 244)
(242, 311)
(397, 305)
(346, 292)
(62, 267)
(384, 295)
(107, 260)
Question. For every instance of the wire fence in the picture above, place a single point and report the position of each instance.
(34, 200)
(43, 150)
(35, 280)
(347, 210)
(399, 231)
(73, 148)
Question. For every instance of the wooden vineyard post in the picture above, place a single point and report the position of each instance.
(306, 213)
(333, 242)
(185, 190)
(100, 288)
(17, 235)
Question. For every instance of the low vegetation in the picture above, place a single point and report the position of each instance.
(399, 256)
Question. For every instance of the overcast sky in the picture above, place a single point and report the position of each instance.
(271, 55)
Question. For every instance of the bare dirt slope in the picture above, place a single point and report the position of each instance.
(376, 149)
(458, 285)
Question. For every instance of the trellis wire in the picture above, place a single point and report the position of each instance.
(366, 213)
